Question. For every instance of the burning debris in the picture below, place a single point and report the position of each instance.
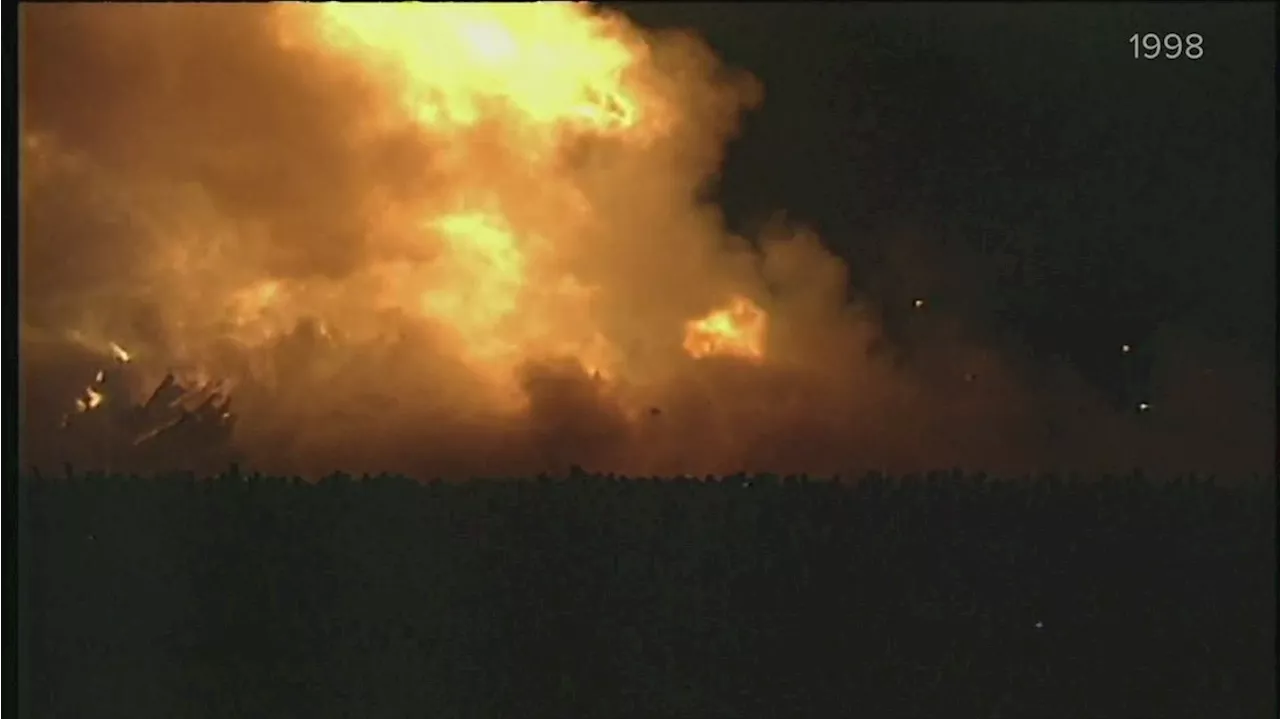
(176, 422)
(119, 354)
(737, 330)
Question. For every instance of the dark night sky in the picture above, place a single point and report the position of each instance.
(1089, 196)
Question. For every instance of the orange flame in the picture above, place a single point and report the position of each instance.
(737, 330)
(455, 62)
(537, 74)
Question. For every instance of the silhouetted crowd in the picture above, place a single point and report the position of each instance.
(946, 595)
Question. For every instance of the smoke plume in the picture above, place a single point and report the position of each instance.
(473, 239)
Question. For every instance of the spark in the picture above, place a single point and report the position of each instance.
(119, 353)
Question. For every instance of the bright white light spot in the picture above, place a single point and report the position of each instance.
(1143, 406)
(918, 304)
(119, 353)
(1125, 349)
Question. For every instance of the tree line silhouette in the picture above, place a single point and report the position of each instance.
(947, 595)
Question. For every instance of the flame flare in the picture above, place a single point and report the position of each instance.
(91, 400)
(454, 61)
(508, 87)
(737, 330)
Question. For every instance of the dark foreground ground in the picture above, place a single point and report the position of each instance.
(947, 596)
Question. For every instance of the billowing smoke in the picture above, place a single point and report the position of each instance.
(469, 238)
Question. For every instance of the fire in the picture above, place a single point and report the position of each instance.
(120, 354)
(484, 278)
(483, 190)
(456, 62)
(92, 399)
(737, 330)
(502, 88)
